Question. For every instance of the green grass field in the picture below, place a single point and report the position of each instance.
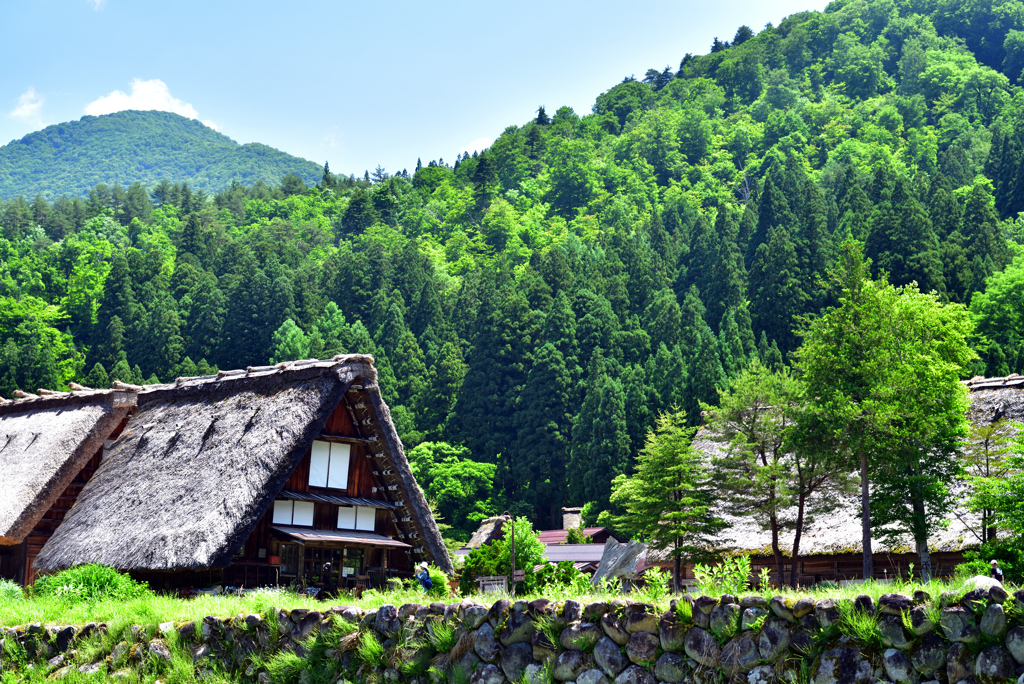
(154, 609)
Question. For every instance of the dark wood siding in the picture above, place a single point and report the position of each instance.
(325, 516)
(360, 473)
(846, 566)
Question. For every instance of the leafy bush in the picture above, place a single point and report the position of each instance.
(89, 583)
(10, 591)
(1009, 554)
(494, 559)
(439, 582)
(576, 535)
(560, 575)
(655, 586)
(731, 576)
(482, 562)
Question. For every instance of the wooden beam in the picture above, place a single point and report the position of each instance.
(346, 440)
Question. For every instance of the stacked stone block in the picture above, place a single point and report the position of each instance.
(978, 639)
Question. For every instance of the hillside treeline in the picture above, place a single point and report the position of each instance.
(536, 305)
(70, 158)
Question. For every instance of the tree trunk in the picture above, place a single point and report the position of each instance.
(677, 564)
(775, 549)
(920, 531)
(926, 561)
(865, 518)
(796, 538)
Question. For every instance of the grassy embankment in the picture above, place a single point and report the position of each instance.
(154, 609)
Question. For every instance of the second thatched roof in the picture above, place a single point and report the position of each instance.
(44, 443)
(195, 471)
(839, 531)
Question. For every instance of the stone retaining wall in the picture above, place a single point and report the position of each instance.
(978, 638)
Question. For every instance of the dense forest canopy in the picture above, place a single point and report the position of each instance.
(133, 146)
(532, 308)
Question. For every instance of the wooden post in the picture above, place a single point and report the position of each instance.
(512, 541)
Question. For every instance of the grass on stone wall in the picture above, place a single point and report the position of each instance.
(148, 608)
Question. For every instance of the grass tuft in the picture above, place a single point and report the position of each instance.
(860, 626)
(370, 651)
(442, 636)
(684, 610)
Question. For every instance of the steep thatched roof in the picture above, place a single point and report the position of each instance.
(197, 468)
(489, 530)
(44, 443)
(995, 398)
(840, 530)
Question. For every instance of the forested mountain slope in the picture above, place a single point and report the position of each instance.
(125, 147)
(535, 306)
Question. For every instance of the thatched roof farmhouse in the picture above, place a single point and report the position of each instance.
(274, 473)
(831, 546)
(49, 446)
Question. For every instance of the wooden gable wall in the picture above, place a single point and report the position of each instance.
(325, 516)
(54, 516)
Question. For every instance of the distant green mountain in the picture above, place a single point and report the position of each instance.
(72, 157)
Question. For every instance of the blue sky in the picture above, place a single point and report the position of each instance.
(358, 84)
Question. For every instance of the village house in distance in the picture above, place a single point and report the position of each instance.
(50, 445)
(831, 548)
(255, 477)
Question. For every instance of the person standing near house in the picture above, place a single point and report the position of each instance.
(996, 573)
(424, 577)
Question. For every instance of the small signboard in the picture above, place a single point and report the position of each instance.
(492, 583)
(519, 576)
(274, 560)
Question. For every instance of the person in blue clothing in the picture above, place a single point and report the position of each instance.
(997, 572)
(424, 577)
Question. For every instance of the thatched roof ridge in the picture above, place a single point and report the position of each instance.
(44, 443)
(64, 400)
(197, 468)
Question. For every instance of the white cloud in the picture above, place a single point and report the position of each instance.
(145, 96)
(210, 124)
(98, 4)
(30, 103)
(478, 145)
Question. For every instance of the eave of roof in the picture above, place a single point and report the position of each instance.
(1010, 381)
(578, 553)
(307, 535)
(558, 536)
(335, 499)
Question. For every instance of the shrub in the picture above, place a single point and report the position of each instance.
(731, 576)
(494, 558)
(439, 582)
(576, 535)
(1009, 553)
(655, 586)
(562, 575)
(10, 591)
(89, 583)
